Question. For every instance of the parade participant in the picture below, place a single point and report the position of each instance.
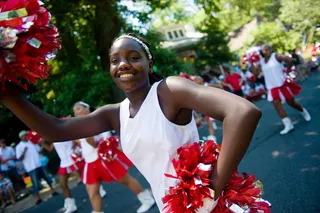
(96, 170)
(279, 89)
(154, 120)
(67, 167)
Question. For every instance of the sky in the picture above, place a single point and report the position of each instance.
(138, 6)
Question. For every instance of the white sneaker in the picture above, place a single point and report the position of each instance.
(306, 115)
(288, 126)
(71, 209)
(146, 200)
(103, 192)
(70, 205)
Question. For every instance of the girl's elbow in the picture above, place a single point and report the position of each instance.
(250, 110)
(254, 112)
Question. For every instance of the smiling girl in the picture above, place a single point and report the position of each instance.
(154, 120)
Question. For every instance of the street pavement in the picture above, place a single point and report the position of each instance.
(288, 165)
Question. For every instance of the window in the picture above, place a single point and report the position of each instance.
(170, 35)
(181, 33)
(176, 34)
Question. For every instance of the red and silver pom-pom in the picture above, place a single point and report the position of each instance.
(77, 154)
(290, 75)
(108, 148)
(27, 41)
(252, 56)
(192, 194)
(34, 137)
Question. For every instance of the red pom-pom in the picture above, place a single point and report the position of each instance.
(77, 154)
(108, 149)
(27, 41)
(290, 75)
(192, 194)
(34, 137)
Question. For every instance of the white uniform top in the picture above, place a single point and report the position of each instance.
(64, 151)
(89, 153)
(151, 141)
(273, 72)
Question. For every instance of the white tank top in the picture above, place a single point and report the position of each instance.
(64, 151)
(89, 153)
(150, 141)
(273, 72)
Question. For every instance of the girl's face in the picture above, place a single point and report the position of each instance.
(266, 51)
(129, 65)
(80, 110)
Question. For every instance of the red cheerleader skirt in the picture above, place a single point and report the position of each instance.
(102, 170)
(286, 92)
(70, 169)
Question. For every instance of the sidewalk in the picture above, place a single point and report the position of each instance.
(45, 195)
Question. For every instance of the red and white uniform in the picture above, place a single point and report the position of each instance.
(96, 169)
(64, 151)
(278, 87)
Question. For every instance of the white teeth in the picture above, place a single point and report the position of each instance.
(127, 75)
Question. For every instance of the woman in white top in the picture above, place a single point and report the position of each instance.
(96, 170)
(154, 120)
(278, 88)
(67, 167)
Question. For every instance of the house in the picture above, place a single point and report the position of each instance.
(181, 38)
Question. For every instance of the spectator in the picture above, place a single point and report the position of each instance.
(6, 191)
(28, 153)
(44, 163)
(233, 81)
(8, 165)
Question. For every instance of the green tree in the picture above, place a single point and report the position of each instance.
(213, 48)
(276, 35)
(301, 15)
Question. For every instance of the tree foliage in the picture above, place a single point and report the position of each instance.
(81, 69)
(276, 35)
(301, 15)
(213, 48)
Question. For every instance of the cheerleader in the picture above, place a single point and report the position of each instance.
(154, 120)
(96, 170)
(67, 167)
(278, 87)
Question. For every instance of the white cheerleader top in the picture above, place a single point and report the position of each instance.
(151, 141)
(90, 153)
(64, 151)
(273, 72)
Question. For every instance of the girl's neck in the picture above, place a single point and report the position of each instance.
(137, 97)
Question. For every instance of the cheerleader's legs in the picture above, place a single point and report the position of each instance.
(294, 104)
(144, 196)
(64, 186)
(131, 183)
(279, 108)
(95, 197)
